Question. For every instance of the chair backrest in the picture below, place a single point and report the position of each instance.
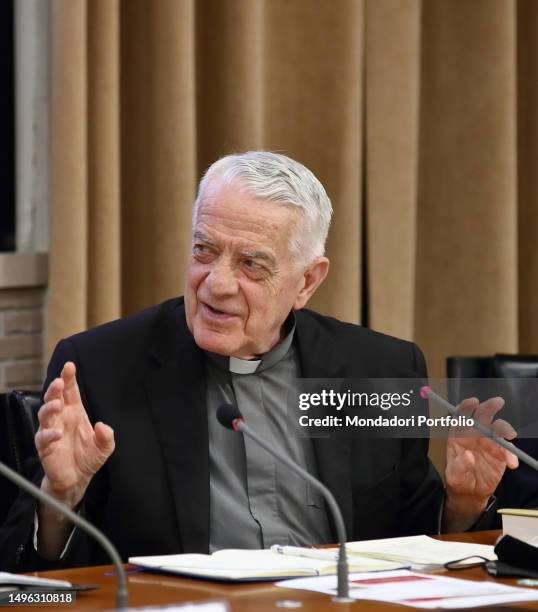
(497, 366)
(518, 488)
(18, 424)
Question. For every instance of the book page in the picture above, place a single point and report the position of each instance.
(235, 564)
(420, 550)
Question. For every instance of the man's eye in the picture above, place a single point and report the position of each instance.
(201, 250)
(253, 265)
(254, 269)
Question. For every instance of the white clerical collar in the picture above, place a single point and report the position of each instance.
(243, 366)
(236, 365)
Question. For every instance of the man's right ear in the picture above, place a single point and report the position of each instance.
(314, 275)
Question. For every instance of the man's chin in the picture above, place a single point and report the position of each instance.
(216, 342)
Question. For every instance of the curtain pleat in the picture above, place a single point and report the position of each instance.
(68, 279)
(158, 148)
(313, 106)
(466, 276)
(103, 290)
(229, 77)
(527, 113)
(392, 116)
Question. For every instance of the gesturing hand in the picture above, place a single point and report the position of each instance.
(70, 449)
(475, 464)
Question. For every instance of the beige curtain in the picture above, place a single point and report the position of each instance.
(418, 116)
(147, 93)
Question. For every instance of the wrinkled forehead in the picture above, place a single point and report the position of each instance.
(210, 188)
(231, 214)
(228, 199)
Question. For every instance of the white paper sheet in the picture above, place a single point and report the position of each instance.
(19, 579)
(426, 591)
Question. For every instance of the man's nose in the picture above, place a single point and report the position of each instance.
(221, 279)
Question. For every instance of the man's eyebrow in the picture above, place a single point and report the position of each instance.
(203, 238)
(257, 255)
(262, 255)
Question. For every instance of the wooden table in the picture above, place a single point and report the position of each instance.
(147, 588)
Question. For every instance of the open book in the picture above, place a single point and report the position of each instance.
(248, 565)
(421, 550)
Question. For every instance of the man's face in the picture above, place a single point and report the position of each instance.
(242, 280)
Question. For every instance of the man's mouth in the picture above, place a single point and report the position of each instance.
(215, 313)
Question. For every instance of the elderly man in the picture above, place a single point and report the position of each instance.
(161, 476)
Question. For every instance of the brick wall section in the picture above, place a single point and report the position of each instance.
(21, 338)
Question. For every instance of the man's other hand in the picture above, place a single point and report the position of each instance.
(475, 464)
(71, 451)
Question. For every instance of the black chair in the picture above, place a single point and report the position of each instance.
(496, 366)
(516, 382)
(518, 488)
(18, 424)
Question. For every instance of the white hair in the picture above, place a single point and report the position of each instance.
(282, 180)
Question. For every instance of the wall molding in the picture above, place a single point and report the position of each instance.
(23, 270)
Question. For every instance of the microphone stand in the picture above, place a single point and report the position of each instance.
(31, 489)
(342, 592)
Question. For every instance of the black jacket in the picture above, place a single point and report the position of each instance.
(144, 376)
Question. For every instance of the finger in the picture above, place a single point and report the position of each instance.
(71, 391)
(455, 447)
(467, 460)
(491, 450)
(467, 408)
(512, 461)
(44, 437)
(468, 405)
(503, 429)
(54, 390)
(104, 438)
(48, 413)
(488, 409)
(501, 453)
(496, 456)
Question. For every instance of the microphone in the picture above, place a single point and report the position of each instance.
(36, 492)
(230, 417)
(427, 392)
